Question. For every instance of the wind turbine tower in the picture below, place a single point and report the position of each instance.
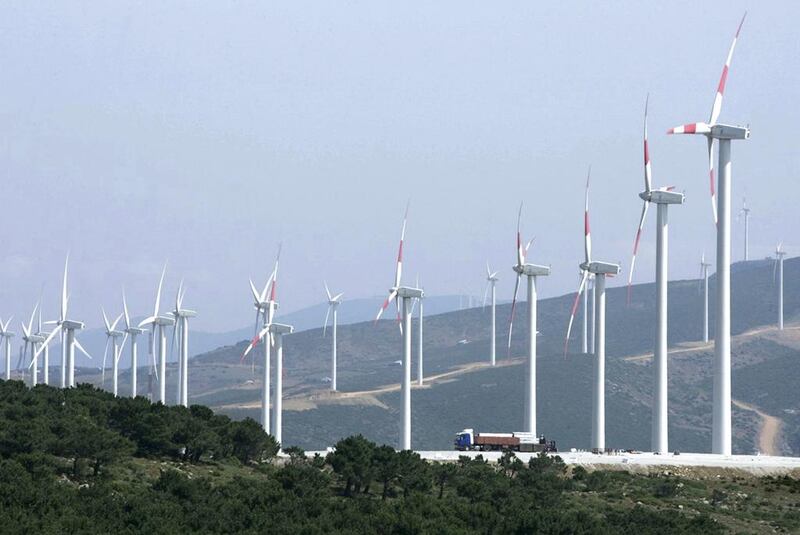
(133, 332)
(112, 336)
(6, 336)
(723, 134)
(158, 324)
(66, 327)
(491, 282)
(277, 330)
(333, 305)
(662, 198)
(531, 272)
(407, 294)
(704, 277)
(779, 254)
(181, 318)
(31, 340)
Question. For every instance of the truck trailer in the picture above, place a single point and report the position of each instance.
(468, 440)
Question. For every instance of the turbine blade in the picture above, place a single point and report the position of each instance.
(105, 319)
(147, 321)
(33, 316)
(327, 291)
(587, 236)
(158, 292)
(385, 304)
(81, 349)
(691, 128)
(648, 179)
(486, 293)
(325, 325)
(49, 337)
(574, 309)
(125, 311)
(711, 180)
(64, 298)
(105, 354)
(254, 342)
(717, 106)
(399, 270)
(513, 311)
(636, 247)
(520, 253)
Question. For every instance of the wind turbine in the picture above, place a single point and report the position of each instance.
(66, 327)
(333, 304)
(133, 332)
(779, 254)
(531, 271)
(704, 275)
(662, 198)
(600, 271)
(112, 336)
(276, 331)
(265, 306)
(31, 340)
(181, 317)
(491, 282)
(157, 325)
(745, 211)
(723, 134)
(7, 335)
(407, 294)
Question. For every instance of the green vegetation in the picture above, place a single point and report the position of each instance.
(82, 461)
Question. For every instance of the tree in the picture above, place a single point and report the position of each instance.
(351, 460)
(386, 465)
(250, 442)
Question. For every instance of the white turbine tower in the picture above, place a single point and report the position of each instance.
(704, 277)
(531, 271)
(662, 198)
(491, 283)
(181, 317)
(132, 332)
(6, 336)
(112, 337)
(723, 134)
(45, 350)
(779, 254)
(266, 307)
(420, 338)
(31, 340)
(276, 331)
(745, 212)
(407, 294)
(600, 271)
(333, 304)
(159, 338)
(66, 327)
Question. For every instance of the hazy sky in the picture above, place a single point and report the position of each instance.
(207, 132)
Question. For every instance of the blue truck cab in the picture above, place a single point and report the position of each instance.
(464, 440)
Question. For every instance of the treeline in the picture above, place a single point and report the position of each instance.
(82, 461)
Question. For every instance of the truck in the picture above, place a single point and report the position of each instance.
(469, 440)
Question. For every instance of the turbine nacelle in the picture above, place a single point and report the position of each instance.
(184, 313)
(163, 321)
(600, 268)
(71, 325)
(662, 196)
(726, 131)
(280, 328)
(532, 270)
(115, 334)
(133, 331)
(408, 292)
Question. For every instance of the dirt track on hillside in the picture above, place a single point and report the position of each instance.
(770, 431)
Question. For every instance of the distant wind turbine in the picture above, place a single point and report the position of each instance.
(265, 304)
(67, 328)
(31, 340)
(112, 337)
(704, 276)
(779, 254)
(531, 272)
(407, 294)
(133, 332)
(600, 270)
(662, 198)
(745, 212)
(157, 325)
(491, 283)
(333, 304)
(181, 329)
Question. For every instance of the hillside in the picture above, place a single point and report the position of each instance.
(490, 399)
(82, 461)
